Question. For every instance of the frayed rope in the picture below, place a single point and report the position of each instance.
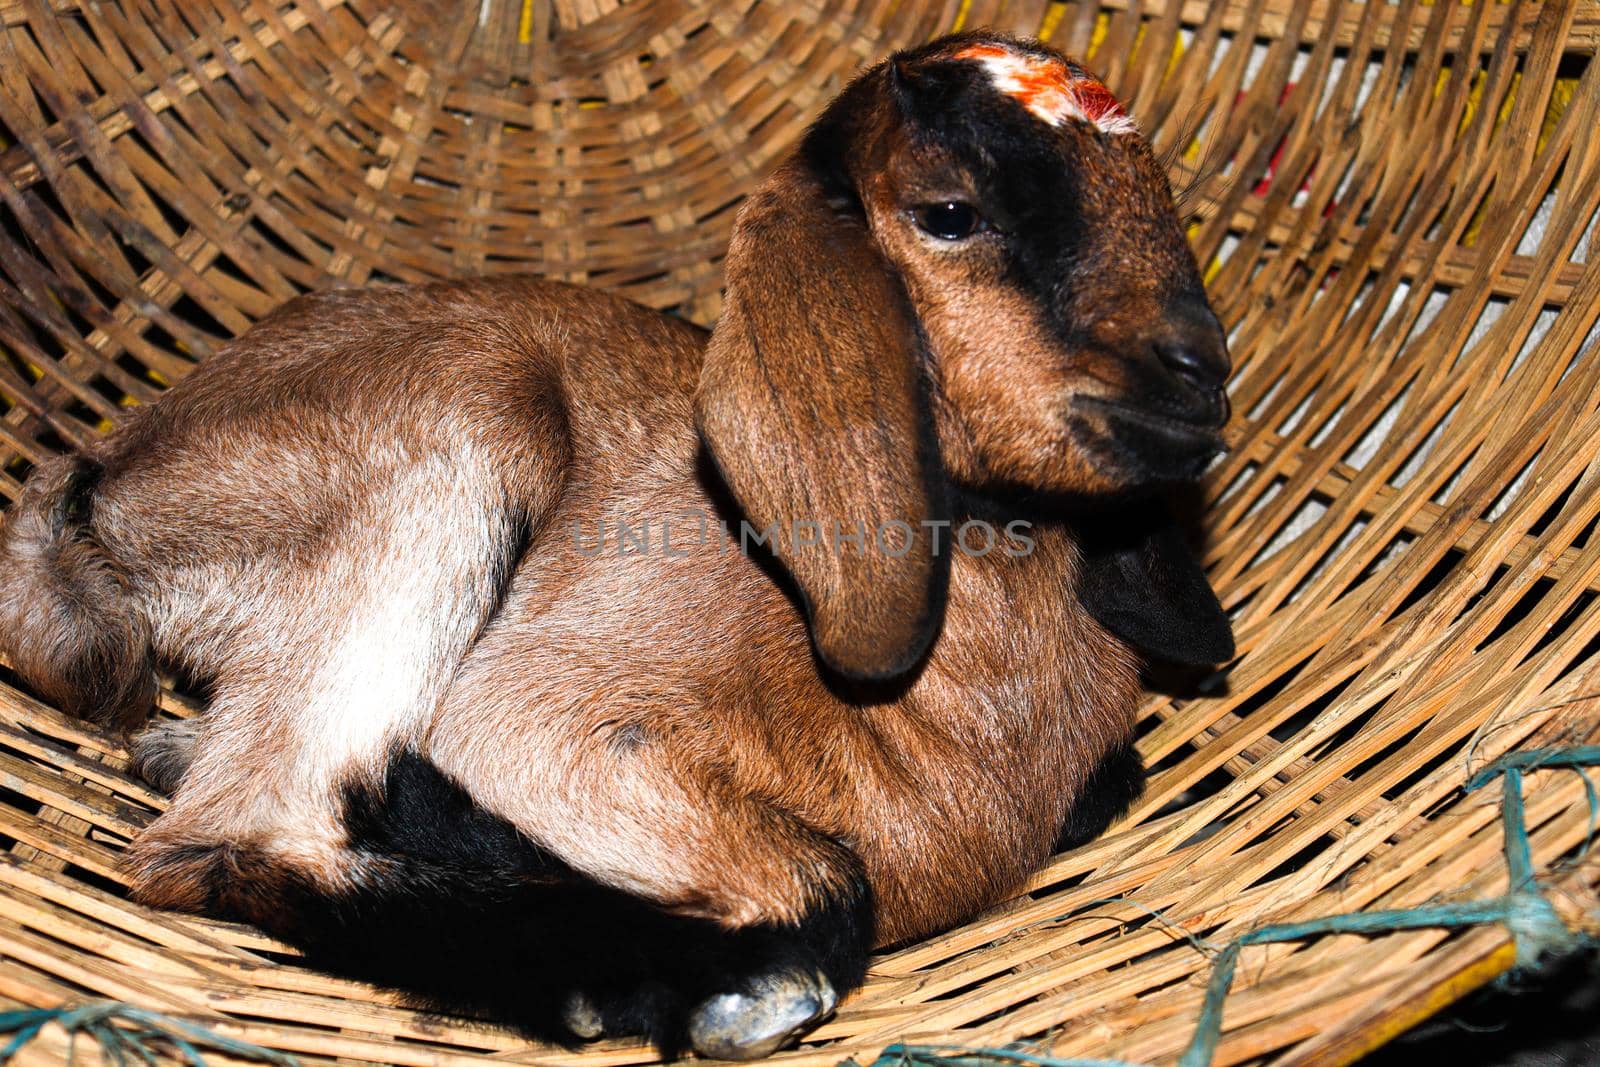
(1535, 927)
(138, 1032)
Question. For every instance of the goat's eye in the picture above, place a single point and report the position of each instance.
(949, 221)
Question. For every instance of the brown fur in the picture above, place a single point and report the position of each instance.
(357, 522)
(73, 632)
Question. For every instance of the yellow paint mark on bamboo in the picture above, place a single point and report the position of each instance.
(1213, 267)
(1052, 19)
(1505, 105)
(1560, 97)
(1138, 42)
(525, 23)
(1177, 54)
(1417, 1009)
(1475, 227)
(1102, 26)
(1474, 96)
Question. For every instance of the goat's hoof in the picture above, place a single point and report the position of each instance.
(582, 1017)
(161, 752)
(770, 1012)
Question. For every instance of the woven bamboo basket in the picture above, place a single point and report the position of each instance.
(1395, 204)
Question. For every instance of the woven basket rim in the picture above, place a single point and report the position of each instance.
(1395, 207)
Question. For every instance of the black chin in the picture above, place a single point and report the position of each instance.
(1149, 446)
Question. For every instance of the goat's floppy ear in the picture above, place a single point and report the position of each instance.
(1140, 580)
(811, 403)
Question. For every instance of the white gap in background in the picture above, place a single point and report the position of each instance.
(1330, 85)
(1261, 405)
(1297, 69)
(1367, 447)
(1252, 67)
(1492, 310)
(1536, 335)
(1369, 81)
(1224, 45)
(1508, 495)
(1402, 290)
(1240, 480)
(1367, 285)
(1345, 540)
(1288, 425)
(1590, 241)
(1266, 498)
(1229, 243)
(1304, 518)
(1533, 236)
(1413, 465)
(1588, 348)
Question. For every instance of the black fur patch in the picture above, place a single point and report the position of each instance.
(467, 915)
(75, 506)
(425, 816)
(1112, 788)
(1141, 581)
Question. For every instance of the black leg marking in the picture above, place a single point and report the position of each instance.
(1112, 788)
(423, 815)
(467, 915)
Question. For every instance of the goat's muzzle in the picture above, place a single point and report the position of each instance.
(1190, 356)
(1165, 424)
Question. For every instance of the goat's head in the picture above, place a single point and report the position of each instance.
(970, 274)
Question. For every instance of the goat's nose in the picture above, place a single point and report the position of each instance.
(1196, 364)
(1193, 347)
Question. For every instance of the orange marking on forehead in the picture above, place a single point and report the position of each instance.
(1052, 90)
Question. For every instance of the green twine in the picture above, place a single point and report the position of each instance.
(1572, 759)
(1536, 759)
(958, 1056)
(1535, 927)
(140, 1030)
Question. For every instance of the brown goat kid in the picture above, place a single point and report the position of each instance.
(473, 733)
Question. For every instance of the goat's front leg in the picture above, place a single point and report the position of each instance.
(702, 916)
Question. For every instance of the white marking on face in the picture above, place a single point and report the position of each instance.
(1050, 89)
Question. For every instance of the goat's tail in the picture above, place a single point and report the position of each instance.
(67, 622)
